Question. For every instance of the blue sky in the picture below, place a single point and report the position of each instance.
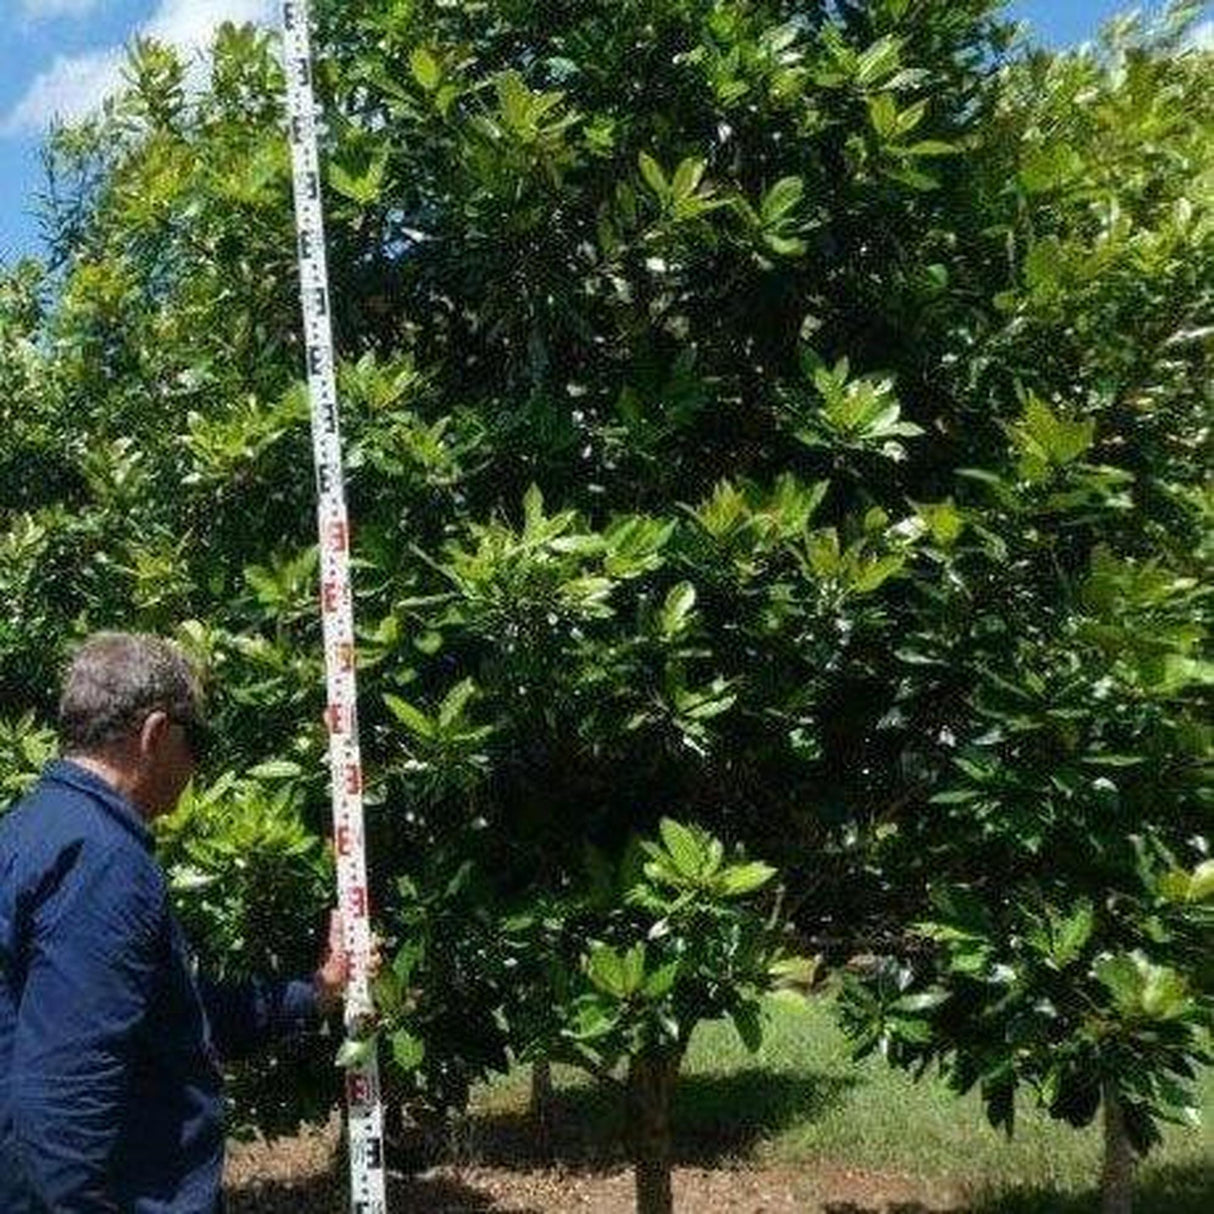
(59, 56)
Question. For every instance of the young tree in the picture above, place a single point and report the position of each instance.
(617, 972)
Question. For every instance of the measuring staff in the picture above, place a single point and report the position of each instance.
(365, 1109)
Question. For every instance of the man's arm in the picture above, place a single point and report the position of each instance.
(95, 948)
(245, 1016)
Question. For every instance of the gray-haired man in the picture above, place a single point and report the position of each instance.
(110, 1084)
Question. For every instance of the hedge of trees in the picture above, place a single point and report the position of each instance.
(772, 427)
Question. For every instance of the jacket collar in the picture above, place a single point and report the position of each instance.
(64, 771)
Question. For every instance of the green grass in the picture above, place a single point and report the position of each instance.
(801, 1101)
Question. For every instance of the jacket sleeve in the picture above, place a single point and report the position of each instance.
(246, 1016)
(96, 948)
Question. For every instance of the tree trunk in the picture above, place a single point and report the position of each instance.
(541, 1105)
(1117, 1176)
(651, 1080)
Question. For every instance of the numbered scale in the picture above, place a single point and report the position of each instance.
(337, 610)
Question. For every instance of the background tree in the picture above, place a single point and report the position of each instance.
(1064, 850)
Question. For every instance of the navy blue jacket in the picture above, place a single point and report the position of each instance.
(110, 1046)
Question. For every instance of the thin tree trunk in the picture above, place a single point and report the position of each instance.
(1117, 1176)
(651, 1080)
(541, 1105)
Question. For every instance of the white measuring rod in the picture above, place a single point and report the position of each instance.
(337, 610)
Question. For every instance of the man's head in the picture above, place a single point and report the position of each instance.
(132, 709)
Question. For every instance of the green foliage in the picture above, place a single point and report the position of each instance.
(1074, 775)
(620, 970)
(858, 414)
(672, 942)
(25, 747)
(245, 872)
(251, 887)
(441, 997)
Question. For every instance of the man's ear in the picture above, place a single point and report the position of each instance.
(152, 733)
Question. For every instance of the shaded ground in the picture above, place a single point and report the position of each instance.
(796, 1127)
(502, 1175)
(719, 1119)
(294, 1179)
(303, 1175)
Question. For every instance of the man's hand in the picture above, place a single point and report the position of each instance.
(333, 973)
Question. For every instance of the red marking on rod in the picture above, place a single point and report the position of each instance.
(358, 1088)
(362, 1082)
(339, 536)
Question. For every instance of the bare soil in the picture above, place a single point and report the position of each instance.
(302, 1175)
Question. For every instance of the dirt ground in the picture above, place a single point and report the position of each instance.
(300, 1176)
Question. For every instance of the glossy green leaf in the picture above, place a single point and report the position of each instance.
(425, 68)
(408, 1051)
(737, 880)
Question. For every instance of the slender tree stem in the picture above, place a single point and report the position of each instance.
(1117, 1176)
(651, 1087)
(541, 1104)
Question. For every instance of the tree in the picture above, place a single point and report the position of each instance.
(1066, 857)
(619, 971)
(778, 416)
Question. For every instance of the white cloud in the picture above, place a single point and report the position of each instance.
(1201, 37)
(189, 24)
(39, 10)
(70, 88)
(73, 86)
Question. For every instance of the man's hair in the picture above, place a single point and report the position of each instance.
(115, 680)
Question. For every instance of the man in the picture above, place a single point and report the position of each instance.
(110, 1045)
